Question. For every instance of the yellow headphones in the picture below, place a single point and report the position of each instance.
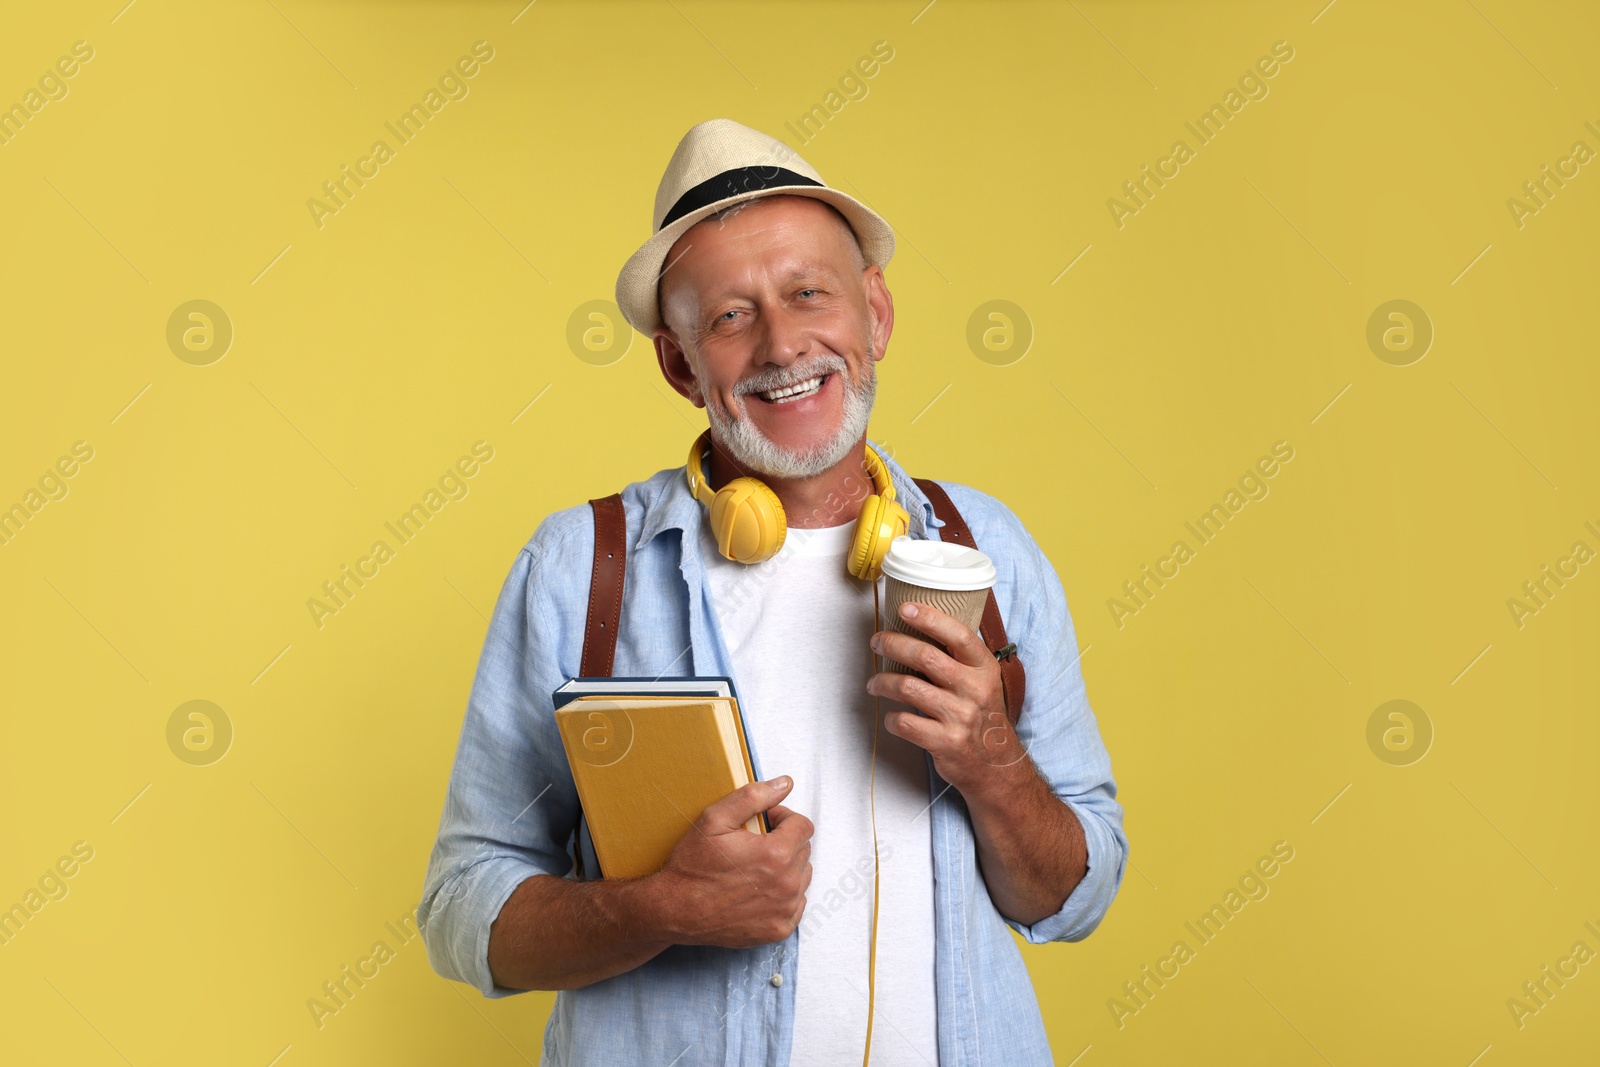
(748, 523)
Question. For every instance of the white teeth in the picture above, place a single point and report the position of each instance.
(793, 392)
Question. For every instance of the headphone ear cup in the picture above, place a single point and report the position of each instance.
(747, 520)
(879, 522)
(864, 540)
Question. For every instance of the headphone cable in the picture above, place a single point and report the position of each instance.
(877, 724)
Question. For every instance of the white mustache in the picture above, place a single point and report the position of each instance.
(815, 369)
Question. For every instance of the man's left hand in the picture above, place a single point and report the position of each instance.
(963, 722)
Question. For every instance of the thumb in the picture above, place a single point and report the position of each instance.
(743, 804)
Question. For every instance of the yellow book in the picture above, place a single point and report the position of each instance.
(647, 767)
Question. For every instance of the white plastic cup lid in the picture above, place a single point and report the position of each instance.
(938, 565)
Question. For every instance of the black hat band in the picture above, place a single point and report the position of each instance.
(732, 183)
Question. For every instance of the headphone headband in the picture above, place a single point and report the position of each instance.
(877, 470)
(697, 479)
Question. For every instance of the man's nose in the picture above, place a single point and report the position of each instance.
(783, 336)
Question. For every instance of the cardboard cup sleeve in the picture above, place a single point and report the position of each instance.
(965, 604)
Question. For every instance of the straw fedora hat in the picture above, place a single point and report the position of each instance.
(719, 163)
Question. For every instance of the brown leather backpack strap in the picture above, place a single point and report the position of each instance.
(1013, 679)
(605, 586)
(605, 607)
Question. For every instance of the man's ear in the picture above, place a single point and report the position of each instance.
(675, 365)
(880, 308)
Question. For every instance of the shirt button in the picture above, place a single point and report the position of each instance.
(777, 979)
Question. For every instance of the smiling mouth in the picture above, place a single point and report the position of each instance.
(798, 391)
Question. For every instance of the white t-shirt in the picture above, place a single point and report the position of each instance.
(797, 627)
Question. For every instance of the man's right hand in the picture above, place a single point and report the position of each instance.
(723, 885)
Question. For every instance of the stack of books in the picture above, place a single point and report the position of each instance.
(648, 755)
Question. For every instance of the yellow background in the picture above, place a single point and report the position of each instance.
(433, 308)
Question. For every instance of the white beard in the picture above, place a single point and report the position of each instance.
(761, 454)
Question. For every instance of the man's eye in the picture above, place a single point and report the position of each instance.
(803, 292)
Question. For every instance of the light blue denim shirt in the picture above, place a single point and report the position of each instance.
(511, 807)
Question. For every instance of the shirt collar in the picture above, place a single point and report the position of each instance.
(672, 506)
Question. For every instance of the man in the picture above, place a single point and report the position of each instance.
(763, 291)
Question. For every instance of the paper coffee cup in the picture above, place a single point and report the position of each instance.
(951, 577)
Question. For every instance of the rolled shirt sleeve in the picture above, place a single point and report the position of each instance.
(511, 806)
(1059, 732)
